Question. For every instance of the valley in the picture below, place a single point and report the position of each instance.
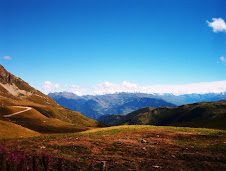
(35, 130)
(100, 105)
(113, 85)
(97, 106)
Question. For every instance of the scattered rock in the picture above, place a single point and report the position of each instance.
(173, 156)
(157, 167)
(143, 141)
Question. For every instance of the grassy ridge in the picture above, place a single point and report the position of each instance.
(190, 113)
(34, 120)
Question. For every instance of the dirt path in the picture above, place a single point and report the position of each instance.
(12, 114)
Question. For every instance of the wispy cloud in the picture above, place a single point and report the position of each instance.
(7, 57)
(50, 87)
(199, 88)
(218, 25)
(110, 88)
(223, 59)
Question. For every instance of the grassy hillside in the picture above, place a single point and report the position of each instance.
(212, 111)
(134, 147)
(52, 110)
(8, 110)
(67, 115)
(46, 115)
(11, 130)
(34, 120)
(211, 123)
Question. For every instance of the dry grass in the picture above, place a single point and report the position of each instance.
(140, 147)
(11, 130)
(35, 121)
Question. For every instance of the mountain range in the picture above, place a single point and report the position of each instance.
(26, 111)
(192, 98)
(95, 106)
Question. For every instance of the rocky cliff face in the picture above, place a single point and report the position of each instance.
(16, 90)
(6, 77)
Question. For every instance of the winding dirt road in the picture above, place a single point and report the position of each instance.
(16, 113)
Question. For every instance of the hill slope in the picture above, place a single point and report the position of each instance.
(16, 92)
(34, 120)
(11, 130)
(207, 111)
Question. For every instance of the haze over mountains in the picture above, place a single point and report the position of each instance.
(94, 106)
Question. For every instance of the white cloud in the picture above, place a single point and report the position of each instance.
(199, 88)
(111, 88)
(7, 57)
(223, 59)
(128, 85)
(218, 25)
(50, 87)
(108, 88)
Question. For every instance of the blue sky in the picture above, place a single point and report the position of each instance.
(83, 43)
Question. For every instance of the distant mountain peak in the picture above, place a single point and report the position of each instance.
(5, 76)
(65, 94)
(118, 103)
